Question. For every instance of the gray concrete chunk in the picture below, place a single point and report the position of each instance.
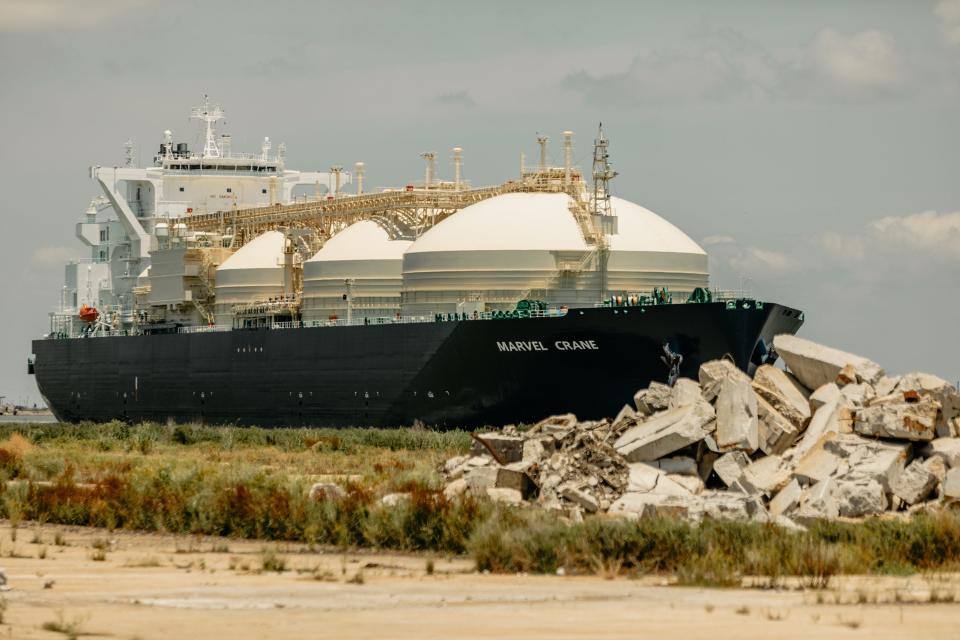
(654, 398)
(902, 420)
(662, 434)
(825, 394)
(860, 497)
(776, 433)
(951, 484)
(714, 372)
(815, 365)
(729, 467)
(946, 448)
(914, 484)
(785, 500)
(737, 421)
(784, 393)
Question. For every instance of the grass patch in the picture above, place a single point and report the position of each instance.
(251, 483)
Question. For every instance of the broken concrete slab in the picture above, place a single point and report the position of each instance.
(819, 464)
(737, 420)
(879, 460)
(818, 502)
(951, 484)
(646, 505)
(776, 434)
(654, 398)
(395, 499)
(685, 392)
(455, 488)
(666, 432)
(825, 394)
(858, 394)
(503, 448)
(693, 484)
(583, 498)
(914, 483)
(767, 474)
(902, 420)
(725, 505)
(860, 497)
(814, 365)
(886, 385)
(729, 467)
(682, 465)
(946, 448)
(785, 499)
(538, 448)
(479, 479)
(518, 476)
(928, 385)
(783, 393)
(646, 478)
(714, 372)
(825, 421)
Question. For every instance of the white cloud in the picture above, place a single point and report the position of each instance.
(933, 234)
(753, 260)
(865, 60)
(32, 15)
(721, 66)
(949, 13)
(712, 240)
(727, 66)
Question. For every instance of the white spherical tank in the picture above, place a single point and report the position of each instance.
(493, 253)
(254, 273)
(357, 274)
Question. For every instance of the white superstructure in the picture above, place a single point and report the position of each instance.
(120, 227)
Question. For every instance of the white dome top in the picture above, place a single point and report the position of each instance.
(365, 240)
(263, 252)
(512, 221)
(640, 229)
(544, 222)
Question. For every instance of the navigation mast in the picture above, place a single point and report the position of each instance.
(209, 113)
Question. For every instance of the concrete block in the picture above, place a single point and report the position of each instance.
(815, 365)
(879, 460)
(902, 420)
(914, 484)
(819, 464)
(784, 393)
(654, 398)
(785, 500)
(857, 395)
(928, 385)
(776, 433)
(737, 421)
(729, 467)
(506, 496)
(860, 497)
(682, 465)
(693, 484)
(454, 489)
(725, 505)
(713, 373)
(662, 434)
(818, 502)
(947, 449)
(886, 385)
(685, 392)
(951, 484)
(825, 394)
(480, 479)
(538, 448)
(503, 448)
(767, 474)
(645, 477)
(584, 498)
(517, 476)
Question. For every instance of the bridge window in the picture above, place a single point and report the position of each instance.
(263, 190)
(229, 190)
(181, 189)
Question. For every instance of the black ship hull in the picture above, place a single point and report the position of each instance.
(446, 374)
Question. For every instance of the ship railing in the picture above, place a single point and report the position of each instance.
(203, 329)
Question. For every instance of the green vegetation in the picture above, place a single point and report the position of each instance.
(254, 483)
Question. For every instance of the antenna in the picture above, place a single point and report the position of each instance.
(128, 153)
(265, 148)
(209, 114)
(602, 175)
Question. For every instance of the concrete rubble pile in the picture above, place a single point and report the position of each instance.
(832, 436)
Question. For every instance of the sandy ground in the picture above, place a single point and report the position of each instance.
(155, 586)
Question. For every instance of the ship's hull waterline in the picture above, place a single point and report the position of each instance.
(445, 374)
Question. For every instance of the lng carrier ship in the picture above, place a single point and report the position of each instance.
(225, 288)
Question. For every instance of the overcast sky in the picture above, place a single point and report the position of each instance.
(812, 148)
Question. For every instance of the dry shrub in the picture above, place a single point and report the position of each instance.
(12, 452)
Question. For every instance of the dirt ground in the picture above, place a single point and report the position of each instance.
(123, 585)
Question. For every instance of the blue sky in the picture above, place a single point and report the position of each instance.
(812, 148)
